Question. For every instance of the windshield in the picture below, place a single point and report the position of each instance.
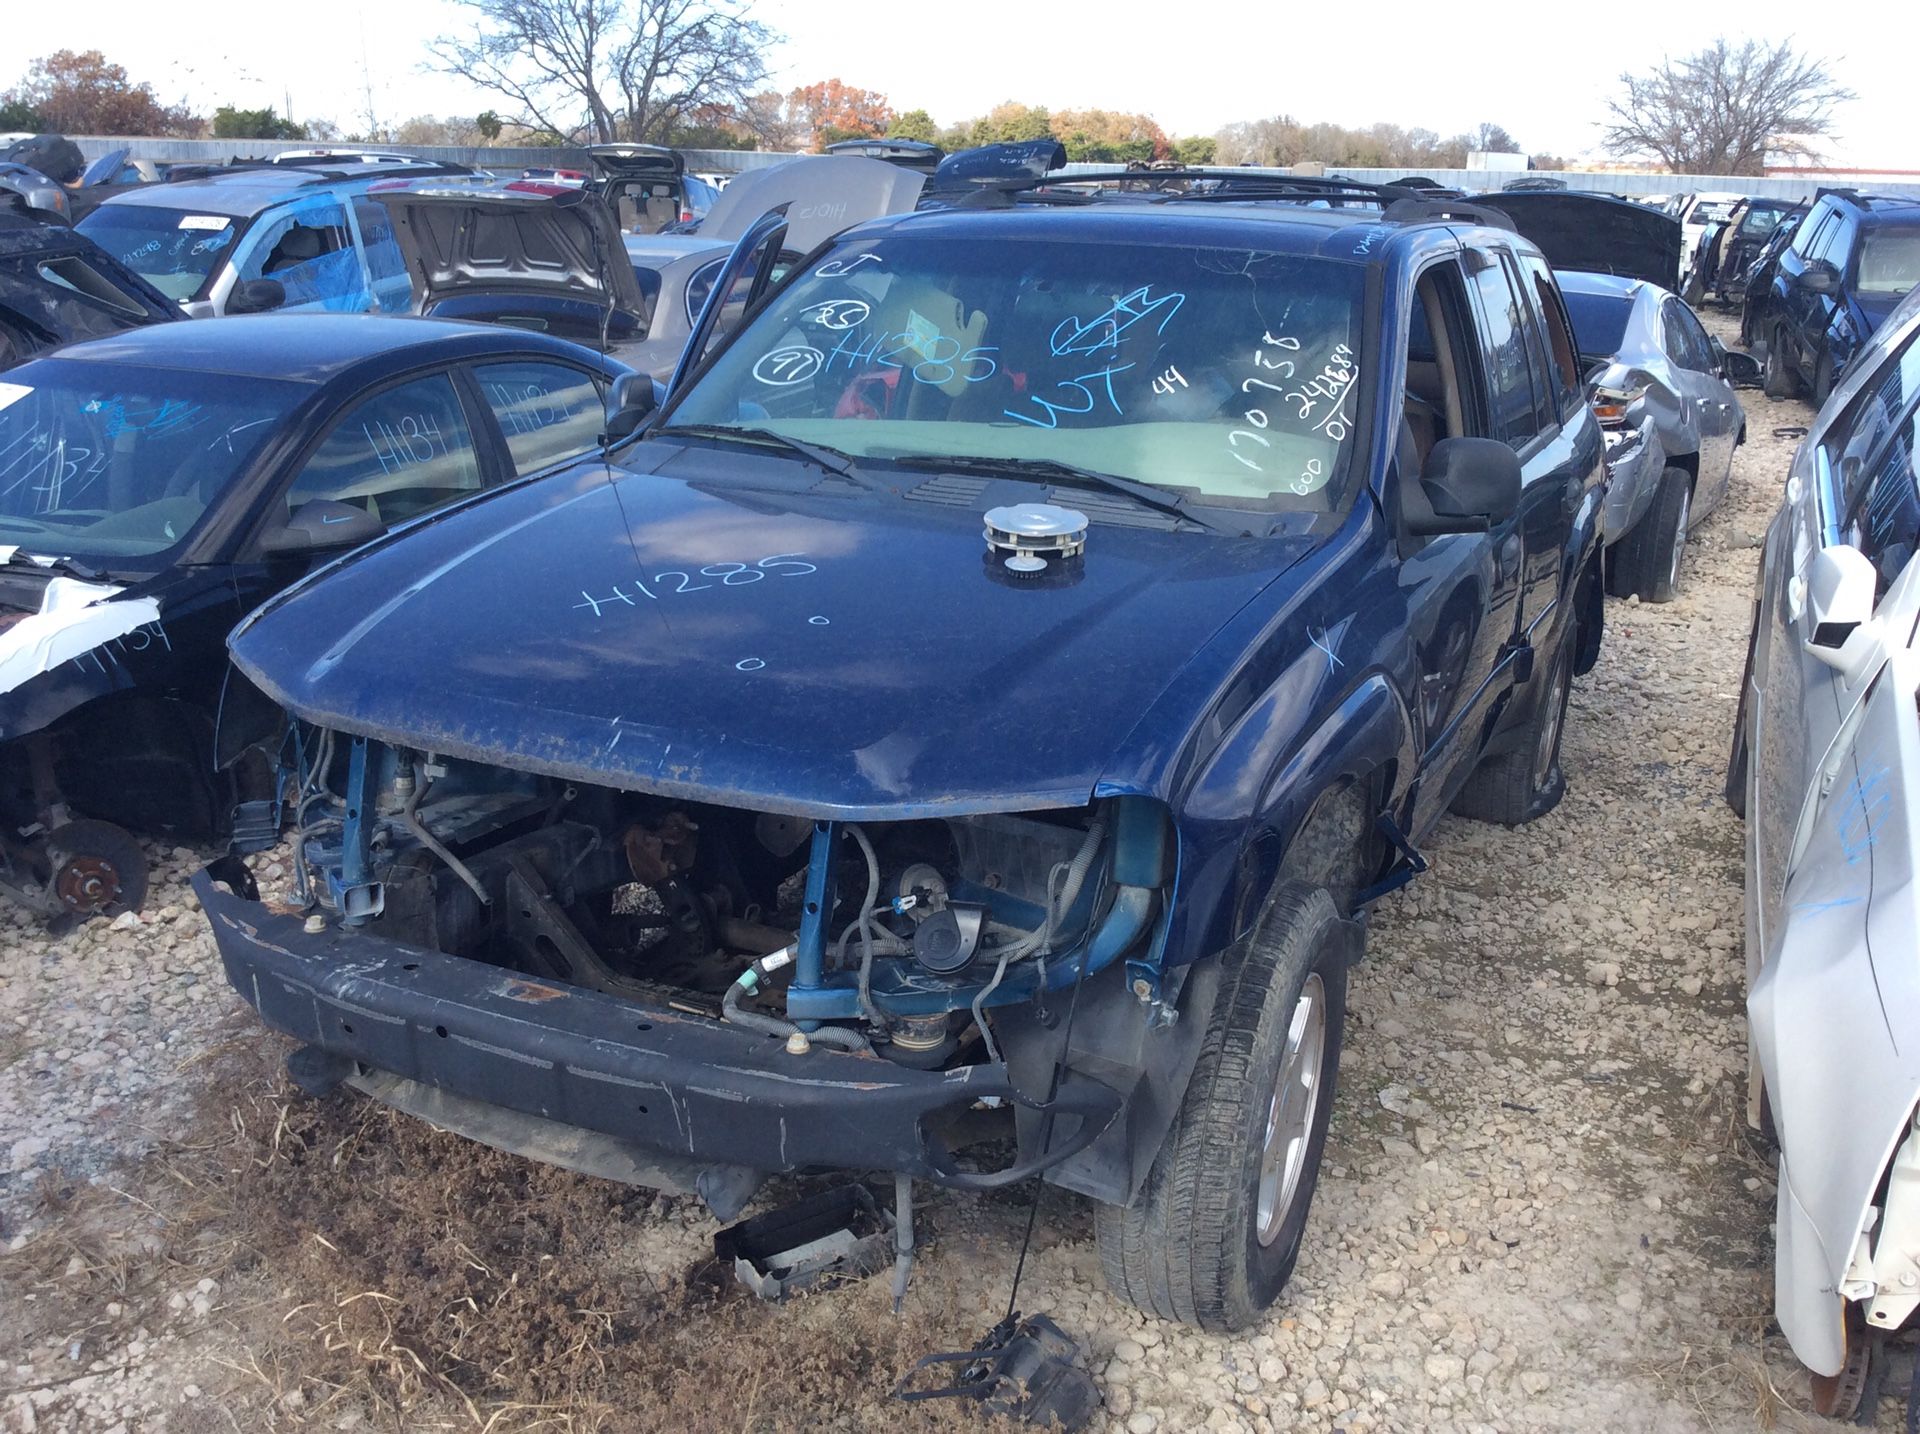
(174, 250)
(110, 461)
(1228, 375)
(1761, 219)
(1599, 322)
(1889, 261)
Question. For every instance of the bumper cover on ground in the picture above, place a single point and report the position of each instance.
(662, 1079)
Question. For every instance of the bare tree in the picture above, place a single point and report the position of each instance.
(613, 69)
(1725, 109)
(1493, 138)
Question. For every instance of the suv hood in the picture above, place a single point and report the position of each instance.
(824, 194)
(460, 240)
(724, 626)
(1595, 233)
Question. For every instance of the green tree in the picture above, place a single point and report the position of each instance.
(1196, 149)
(488, 123)
(231, 123)
(914, 124)
(17, 114)
(1009, 122)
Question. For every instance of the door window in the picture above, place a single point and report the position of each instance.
(547, 411)
(1510, 387)
(310, 254)
(396, 454)
(392, 286)
(1559, 329)
(1811, 231)
(1872, 450)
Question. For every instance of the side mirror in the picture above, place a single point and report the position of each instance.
(322, 524)
(256, 296)
(1819, 277)
(630, 402)
(1740, 370)
(1467, 486)
(1841, 589)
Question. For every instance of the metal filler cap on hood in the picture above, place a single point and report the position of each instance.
(1030, 533)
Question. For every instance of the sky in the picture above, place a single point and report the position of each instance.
(1545, 73)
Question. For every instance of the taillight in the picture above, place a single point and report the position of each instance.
(1610, 405)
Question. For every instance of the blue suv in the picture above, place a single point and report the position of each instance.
(963, 732)
(1852, 259)
(255, 237)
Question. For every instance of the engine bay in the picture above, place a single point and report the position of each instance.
(896, 937)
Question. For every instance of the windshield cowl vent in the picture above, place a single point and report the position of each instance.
(1031, 534)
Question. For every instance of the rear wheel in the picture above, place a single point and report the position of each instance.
(1777, 379)
(1823, 381)
(1526, 781)
(1650, 555)
(1214, 1233)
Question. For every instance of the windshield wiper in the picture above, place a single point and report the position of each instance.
(832, 459)
(1069, 474)
(41, 563)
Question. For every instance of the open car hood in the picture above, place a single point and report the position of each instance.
(465, 241)
(57, 285)
(809, 648)
(824, 194)
(1595, 233)
(635, 161)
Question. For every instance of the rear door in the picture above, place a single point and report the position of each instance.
(1524, 396)
(1709, 399)
(391, 285)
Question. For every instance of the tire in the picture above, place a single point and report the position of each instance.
(1777, 379)
(98, 869)
(1652, 551)
(1526, 782)
(1822, 381)
(1214, 1233)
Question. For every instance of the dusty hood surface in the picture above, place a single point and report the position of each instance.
(1595, 233)
(461, 242)
(796, 645)
(823, 194)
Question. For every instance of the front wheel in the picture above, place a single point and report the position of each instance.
(1212, 1237)
(1650, 555)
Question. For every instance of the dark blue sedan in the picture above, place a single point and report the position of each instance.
(156, 485)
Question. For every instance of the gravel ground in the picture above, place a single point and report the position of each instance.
(1540, 1209)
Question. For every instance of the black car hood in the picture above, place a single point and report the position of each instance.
(466, 241)
(811, 648)
(1595, 233)
(93, 295)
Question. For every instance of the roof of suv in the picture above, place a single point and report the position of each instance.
(244, 191)
(1287, 227)
(1875, 205)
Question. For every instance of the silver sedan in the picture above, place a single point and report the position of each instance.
(1663, 391)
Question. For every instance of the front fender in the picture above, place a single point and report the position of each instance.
(1266, 781)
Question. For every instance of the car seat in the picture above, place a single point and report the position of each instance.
(301, 244)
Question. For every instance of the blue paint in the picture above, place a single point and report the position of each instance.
(810, 955)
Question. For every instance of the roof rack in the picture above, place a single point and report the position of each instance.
(1399, 202)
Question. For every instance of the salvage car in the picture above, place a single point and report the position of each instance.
(57, 285)
(1850, 261)
(1826, 770)
(1729, 249)
(249, 238)
(1663, 390)
(551, 262)
(732, 805)
(155, 485)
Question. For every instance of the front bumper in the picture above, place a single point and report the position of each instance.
(662, 1080)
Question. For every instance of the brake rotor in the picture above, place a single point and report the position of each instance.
(1838, 1396)
(87, 883)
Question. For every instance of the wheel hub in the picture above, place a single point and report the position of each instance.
(87, 883)
(1291, 1110)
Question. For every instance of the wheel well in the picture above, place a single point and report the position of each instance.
(1336, 846)
(1591, 596)
(1688, 463)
